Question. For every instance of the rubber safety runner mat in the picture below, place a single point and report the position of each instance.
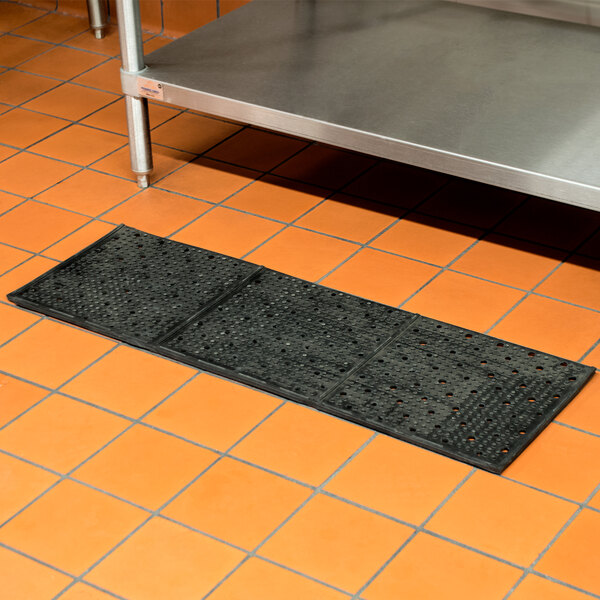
(461, 393)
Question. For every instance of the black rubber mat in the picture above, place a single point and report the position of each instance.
(464, 394)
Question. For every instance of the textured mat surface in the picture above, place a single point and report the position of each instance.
(461, 393)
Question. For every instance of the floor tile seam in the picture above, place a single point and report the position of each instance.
(61, 82)
(44, 52)
(33, 324)
(433, 533)
(133, 421)
(221, 204)
(256, 549)
(56, 44)
(68, 122)
(573, 427)
(545, 278)
(450, 263)
(157, 512)
(41, 253)
(90, 167)
(60, 160)
(46, 13)
(565, 584)
(590, 350)
(93, 586)
(417, 530)
(39, 561)
(57, 389)
(552, 541)
(292, 223)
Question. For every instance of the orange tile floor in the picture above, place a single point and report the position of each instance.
(125, 475)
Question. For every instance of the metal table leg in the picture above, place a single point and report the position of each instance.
(132, 58)
(98, 16)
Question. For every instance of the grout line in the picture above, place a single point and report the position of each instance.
(558, 534)
(588, 352)
(419, 529)
(576, 428)
(157, 511)
(461, 254)
(547, 276)
(139, 421)
(294, 513)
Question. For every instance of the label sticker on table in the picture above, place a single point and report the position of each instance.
(150, 89)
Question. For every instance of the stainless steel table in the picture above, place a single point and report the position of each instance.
(492, 96)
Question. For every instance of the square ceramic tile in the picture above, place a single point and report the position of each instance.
(84, 591)
(54, 27)
(303, 253)
(21, 128)
(165, 161)
(62, 527)
(129, 381)
(573, 557)
(162, 557)
(464, 301)
(13, 321)
(193, 133)
(106, 76)
(257, 149)
(15, 50)
(398, 479)
(16, 175)
(71, 101)
(62, 63)
(336, 543)
(325, 166)
(534, 587)
(550, 326)
(396, 184)
(17, 396)
(576, 281)
(21, 483)
(145, 466)
(502, 518)
(113, 117)
(380, 276)
(212, 411)
(472, 203)
(237, 503)
(277, 198)
(583, 411)
(349, 218)
(157, 212)
(552, 223)
(89, 193)
(258, 579)
(79, 145)
(427, 239)
(17, 87)
(24, 273)
(509, 261)
(302, 443)
(430, 568)
(24, 579)
(17, 15)
(228, 231)
(78, 240)
(59, 433)
(555, 462)
(50, 353)
(34, 226)
(208, 180)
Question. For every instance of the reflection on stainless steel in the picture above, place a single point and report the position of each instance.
(493, 96)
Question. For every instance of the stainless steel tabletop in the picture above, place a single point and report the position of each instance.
(497, 97)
